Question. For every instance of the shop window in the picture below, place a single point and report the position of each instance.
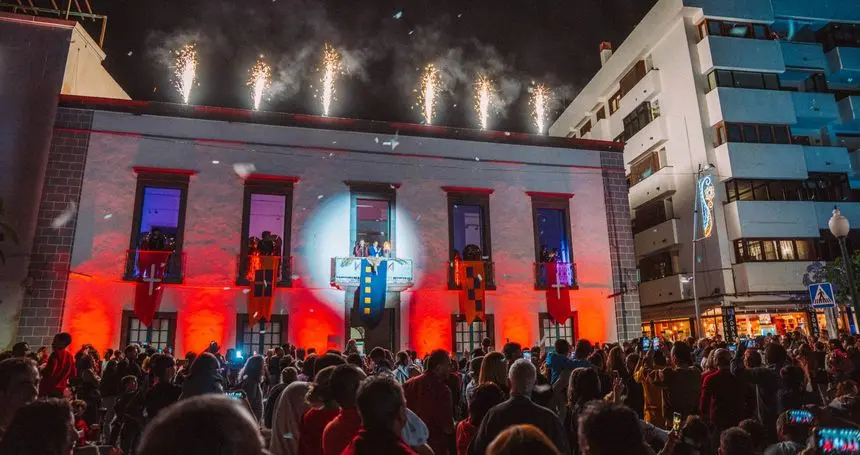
(467, 337)
(551, 222)
(645, 167)
(158, 224)
(259, 337)
(266, 219)
(372, 220)
(552, 331)
(161, 334)
(774, 250)
(469, 230)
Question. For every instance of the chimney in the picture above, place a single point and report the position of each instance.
(605, 52)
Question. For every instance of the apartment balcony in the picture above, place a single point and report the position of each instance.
(659, 185)
(814, 110)
(824, 211)
(660, 237)
(645, 90)
(759, 11)
(346, 272)
(823, 11)
(663, 290)
(849, 111)
(771, 219)
(745, 105)
(803, 55)
(653, 135)
(827, 159)
(744, 54)
(760, 161)
(844, 63)
(770, 276)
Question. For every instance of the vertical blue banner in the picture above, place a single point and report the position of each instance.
(373, 282)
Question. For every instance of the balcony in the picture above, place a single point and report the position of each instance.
(827, 159)
(759, 11)
(803, 55)
(173, 262)
(814, 110)
(645, 90)
(844, 64)
(246, 265)
(824, 210)
(566, 275)
(770, 276)
(760, 161)
(660, 237)
(823, 11)
(771, 219)
(346, 273)
(653, 135)
(745, 105)
(455, 279)
(849, 111)
(663, 290)
(744, 54)
(661, 184)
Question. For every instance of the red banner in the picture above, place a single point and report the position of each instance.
(472, 303)
(149, 289)
(557, 293)
(262, 295)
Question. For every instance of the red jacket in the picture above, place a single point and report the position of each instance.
(368, 442)
(56, 374)
(430, 399)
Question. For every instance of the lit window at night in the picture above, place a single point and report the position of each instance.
(266, 223)
(467, 227)
(373, 224)
(552, 236)
(159, 219)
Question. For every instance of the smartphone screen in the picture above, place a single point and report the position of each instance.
(733, 347)
(837, 441)
(646, 344)
(655, 343)
(236, 395)
(676, 422)
(800, 416)
(527, 355)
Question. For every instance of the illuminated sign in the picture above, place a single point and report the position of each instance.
(706, 194)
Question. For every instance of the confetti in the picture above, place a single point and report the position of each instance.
(244, 169)
(418, 218)
(63, 218)
(108, 216)
(216, 162)
(459, 15)
(294, 277)
(477, 159)
(398, 14)
(411, 31)
(246, 291)
(226, 288)
(480, 278)
(320, 196)
(376, 139)
(129, 53)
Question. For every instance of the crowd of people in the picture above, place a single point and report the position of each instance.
(774, 395)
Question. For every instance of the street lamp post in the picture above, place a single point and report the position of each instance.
(840, 227)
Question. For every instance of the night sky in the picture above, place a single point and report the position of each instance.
(551, 41)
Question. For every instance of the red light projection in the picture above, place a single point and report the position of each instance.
(430, 320)
(88, 316)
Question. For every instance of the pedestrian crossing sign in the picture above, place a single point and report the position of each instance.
(821, 295)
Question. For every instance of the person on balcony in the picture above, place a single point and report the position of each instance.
(374, 250)
(360, 249)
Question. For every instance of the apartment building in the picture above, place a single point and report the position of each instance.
(763, 96)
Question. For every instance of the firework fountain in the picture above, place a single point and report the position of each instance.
(331, 68)
(185, 70)
(428, 92)
(260, 81)
(484, 94)
(539, 103)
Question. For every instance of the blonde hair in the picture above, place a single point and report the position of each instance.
(522, 439)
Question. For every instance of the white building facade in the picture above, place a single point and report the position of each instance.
(763, 95)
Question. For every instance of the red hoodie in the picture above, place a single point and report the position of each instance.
(56, 374)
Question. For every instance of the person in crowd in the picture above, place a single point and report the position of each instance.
(793, 393)
(306, 370)
(88, 389)
(203, 377)
(584, 387)
(163, 392)
(59, 369)
(429, 396)
(512, 352)
(757, 433)
(653, 359)
(767, 381)
(471, 380)
(288, 376)
(43, 427)
(286, 421)
(559, 361)
(723, 401)
(401, 370)
(250, 382)
(681, 383)
(379, 362)
(345, 380)
(634, 394)
(201, 425)
(793, 435)
(21, 349)
(735, 441)
(485, 397)
(519, 409)
(323, 410)
(128, 410)
(494, 370)
(610, 429)
(694, 439)
(274, 365)
(598, 360)
(185, 369)
(128, 365)
(382, 408)
(19, 386)
(79, 408)
(522, 439)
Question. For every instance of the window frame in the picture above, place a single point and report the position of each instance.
(489, 331)
(779, 133)
(270, 187)
(615, 102)
(585, 129)
(742, 249)
(545, 318)
(380, 191)
(652, 157)
(481, 198)
(553, 202)
(241, 318)
(167, 179)
(171, 316)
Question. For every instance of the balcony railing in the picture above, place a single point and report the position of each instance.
(174, 264)
(566, 275)
(346, 272)
(455, 280)
(246, 263)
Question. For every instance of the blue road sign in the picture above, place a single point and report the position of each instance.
(821, 295)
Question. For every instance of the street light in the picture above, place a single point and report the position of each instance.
(840, 227)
